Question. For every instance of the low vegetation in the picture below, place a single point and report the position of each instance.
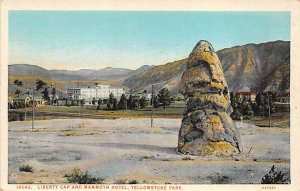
(133, 182)
(275, 177)
(187, 158)
(79, 177)
(26, 168)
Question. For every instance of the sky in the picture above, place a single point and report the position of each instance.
(129, 39)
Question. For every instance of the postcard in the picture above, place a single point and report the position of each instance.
(149, 95)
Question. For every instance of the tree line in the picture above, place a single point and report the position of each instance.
(162, 99)
(244, 107)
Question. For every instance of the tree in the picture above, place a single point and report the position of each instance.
(108, 105)
(114, 104)
(246, 107)
(82, 102)
(123, 102)
(156, 101)
(129, 102)
(135, 104)
(99, 104)
(164, 97)
(110, 102)
(46, 94)
(39, 84)
(94, 101)
(260, 104)
(18, 82)
(53, 93)
(18, 92)
(143, 102)
(111, 98)
(236, 106)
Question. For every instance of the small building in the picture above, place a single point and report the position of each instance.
(251, 94)
(285, 97)
(23, 99)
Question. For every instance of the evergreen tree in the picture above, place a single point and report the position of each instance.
(46, 94)
(39, 84)
(18, 92)
(129, 102)
(123, 102)
(269, 99)
(143, 102)
(53, 93)
(94, 101)
(247, 108)
(18, 82)
(236, 106)
(135, 104)
(108, 105)
(111, 98)
(155, 101)
(164, 97)
(260, 104)
(99, 104)
(114, 104)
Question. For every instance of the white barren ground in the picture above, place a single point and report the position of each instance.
(130, 149)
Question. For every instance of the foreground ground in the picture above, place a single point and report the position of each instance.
(129, 149)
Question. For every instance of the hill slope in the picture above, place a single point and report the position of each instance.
(257, 67)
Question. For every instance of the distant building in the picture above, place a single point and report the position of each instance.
(98, 91)
(27, 99)
(250, 94)
(139, 95)
(286, 97)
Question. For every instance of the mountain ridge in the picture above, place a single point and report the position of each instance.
(260, 67)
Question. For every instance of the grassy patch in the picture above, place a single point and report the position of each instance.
(174, 111)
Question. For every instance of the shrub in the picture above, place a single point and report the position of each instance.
(133, 182)
(77, 176)
(274, 177)
(26, 168)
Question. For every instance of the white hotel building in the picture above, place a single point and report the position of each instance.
(98, 91)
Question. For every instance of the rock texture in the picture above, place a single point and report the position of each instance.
(206, 128)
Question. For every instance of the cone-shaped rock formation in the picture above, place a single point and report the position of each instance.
(206, 128)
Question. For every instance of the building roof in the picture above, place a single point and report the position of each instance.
(245, 93)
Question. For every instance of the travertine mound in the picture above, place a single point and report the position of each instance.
(206, 128)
